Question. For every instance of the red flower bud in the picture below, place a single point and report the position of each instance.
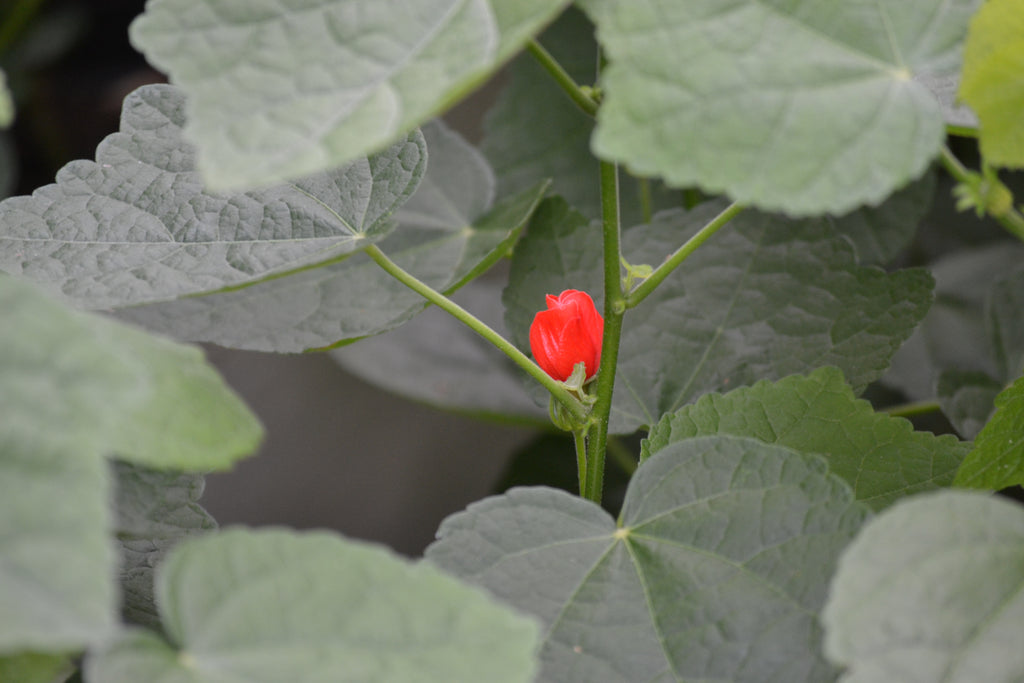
(567, 333)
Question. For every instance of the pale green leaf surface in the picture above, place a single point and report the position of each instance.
(137, 225)
(154, 511)
(535, 131)
(993, 79)
(33, 667)
(437, 360)
(931, 590)
(882, 458)
(279, 90)
(84, 383)
(945, 87)
(57, 562)
(967, 398)
(448, 233)
(805, 107)
(997, 459)
(764, 298)
(717, 571)
(274, 605)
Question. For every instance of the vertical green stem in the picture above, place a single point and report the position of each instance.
(614, 309)
(580, 437)
(646, 205)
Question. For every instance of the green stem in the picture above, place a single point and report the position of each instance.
(562, 77)
(672, 262)
(16, 20)
(444, 303)
(645, 199)
(1011, 219)
(614, 309)
(580, 437)
(911, 409)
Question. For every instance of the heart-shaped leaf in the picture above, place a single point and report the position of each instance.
(284, 89)
(448, 233)
(881, 457)
(716, 570)
(764, 298)
(274, 605)
(931, 590)
(799, 106)
(137, 225)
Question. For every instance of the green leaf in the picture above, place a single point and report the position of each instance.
(535, 131)
(803, 107)
(437, 360)
(137, 226)
(882, 458)
(155, 510)
(274, 605)
(716, 571)
(880, 233)
(83, 383)
(285, 89)
(764, 298)
(931, 590)
(967, 398)
(34, 667)
(997, 460)
(993, 83)
(448, 233)
(56, 560)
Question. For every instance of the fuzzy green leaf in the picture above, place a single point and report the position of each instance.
(137, 225)
(997, 460)
(448, 233)
(967, 398)
(280, 90)
(882, 458)
(56, 561)
(83, 383)
(993, 79)
(716, 570)
(799, 106)
(273, 605)
(931, 590)
(764, 298)
(155, 510)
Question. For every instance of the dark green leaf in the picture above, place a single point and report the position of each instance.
(535, 131)
(284, 89)
(931, 590)
(155, 510)
(437, 360)
(274, 605)
(997, 460)
(716, 571)
(764, 298)
(800, 106)
(880, 233)
(448, 233)
(967, 398)
(137, 226)
(882, 458)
